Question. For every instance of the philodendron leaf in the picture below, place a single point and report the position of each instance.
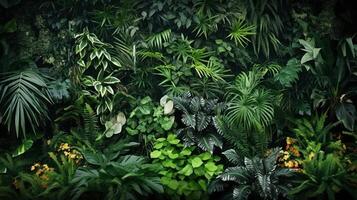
(173, 184)
(172, 139)
(196, 162)
(155, 154)
(26, 145)
(169, 107)
(167, 124)
(187, 170)
(205, 156)
(210, 166)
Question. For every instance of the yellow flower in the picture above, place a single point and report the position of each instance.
(64, 146)
(289, 140)
(45, 166)
(285, 157)
(72, 156)
(33, 167)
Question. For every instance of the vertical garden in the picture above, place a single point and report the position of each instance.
(178, 99)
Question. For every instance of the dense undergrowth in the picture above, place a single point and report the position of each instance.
(178, 99)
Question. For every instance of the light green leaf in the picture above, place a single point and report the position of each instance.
(187, 170)
(211, 166)
(155, 154)
(22, 148)
(196, 162)
(306, 58)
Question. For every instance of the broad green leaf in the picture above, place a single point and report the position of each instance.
(186, 152)
(23, 147)
(211, 166)
(155, 154)
(306, 58)
(315, 52)
(187, 170)
(172, 139)
(205, 156)
(203, 184)
(167, 124)
(173, 184)
(346, 113)
(196, 162)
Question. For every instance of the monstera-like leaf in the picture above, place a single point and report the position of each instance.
(346, 113)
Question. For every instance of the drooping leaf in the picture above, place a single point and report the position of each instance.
(23, 147)
(346, 112)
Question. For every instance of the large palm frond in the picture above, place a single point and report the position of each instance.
(23, 99)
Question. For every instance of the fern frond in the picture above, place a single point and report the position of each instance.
(23, 97)
(157, 40)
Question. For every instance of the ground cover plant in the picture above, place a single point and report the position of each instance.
(178, 99)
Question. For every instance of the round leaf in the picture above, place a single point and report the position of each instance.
(196, 162)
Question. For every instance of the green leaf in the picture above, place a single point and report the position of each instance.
(241, 192)
(158, 145)
(173, 184)
(205, 156)
(186, 152)
(173, 155)
(187, 170)
(23, 147)
(172, 139)
(211, 166)
(346, 113)
(131, 131)
(155, 154)
(203, 184)
(315, 52)
(196, 162)
(111, 80)
(167, 124)
(306, 58)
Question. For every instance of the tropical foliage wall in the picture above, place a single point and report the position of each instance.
(178, 99)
